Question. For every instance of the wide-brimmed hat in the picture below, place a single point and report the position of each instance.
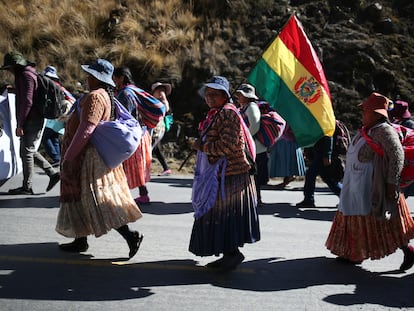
(217, 83)
(376, 102)
(51, 72)
(400, 110)
(101, 70)
(15, 58)
(247, 90)
(167, 86)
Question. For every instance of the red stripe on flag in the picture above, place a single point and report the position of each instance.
(295, 39)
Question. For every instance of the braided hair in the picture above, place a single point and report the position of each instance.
(110, 90)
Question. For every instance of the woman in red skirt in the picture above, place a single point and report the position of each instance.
(373, 219)
(138, 167)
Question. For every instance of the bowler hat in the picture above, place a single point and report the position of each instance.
(400, 110)
(376, 102)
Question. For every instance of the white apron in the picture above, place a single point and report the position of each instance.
(355, 198)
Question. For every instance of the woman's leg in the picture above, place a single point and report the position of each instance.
(78, 245)
(408, 262)
(133, 238)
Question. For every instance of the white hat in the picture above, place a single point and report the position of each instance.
(51, 72)
(167, 86)
(247, 91)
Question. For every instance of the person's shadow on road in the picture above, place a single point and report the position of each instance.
(32, 201)
(40, 271)
(287, 210)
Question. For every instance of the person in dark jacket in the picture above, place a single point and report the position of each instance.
(29, 122)
(321, 160)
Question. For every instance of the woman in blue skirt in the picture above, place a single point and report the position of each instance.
(224, 193)
(286, 158)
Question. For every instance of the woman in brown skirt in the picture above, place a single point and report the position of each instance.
(94, 198)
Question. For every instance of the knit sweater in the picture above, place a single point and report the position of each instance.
(385, 135)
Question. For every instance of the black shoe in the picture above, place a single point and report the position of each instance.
(215, 264)
(21, 190)
(305, 203)
(347, 261)
(54, 179)
(408, 259)
(79, 245)
(231, 262)
(280, 186)
(134, 243)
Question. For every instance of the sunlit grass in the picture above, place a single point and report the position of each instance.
(155, 38)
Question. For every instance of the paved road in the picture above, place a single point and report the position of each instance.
(289, 269)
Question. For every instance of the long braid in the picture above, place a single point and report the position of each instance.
(110, 90)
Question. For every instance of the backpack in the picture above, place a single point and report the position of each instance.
(272, 125)
(50, 100)
(150, 109)
(406, 136)
(341, 137)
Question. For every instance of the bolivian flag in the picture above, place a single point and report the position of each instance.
(290, 77)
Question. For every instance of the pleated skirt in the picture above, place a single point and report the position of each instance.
(286, 159)
(105, 201)
(138, 167)
(231, 222)
(361, 237)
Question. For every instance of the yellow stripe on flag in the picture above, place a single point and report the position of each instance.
(301, 83)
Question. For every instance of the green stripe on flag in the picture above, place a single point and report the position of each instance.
(272, 88)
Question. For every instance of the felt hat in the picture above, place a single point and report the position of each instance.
(376, 102)
(400, 110)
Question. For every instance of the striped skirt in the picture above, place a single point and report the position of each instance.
(138, 167)
(361, 237)
(231, 222)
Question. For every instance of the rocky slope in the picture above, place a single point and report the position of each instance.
(363, 45)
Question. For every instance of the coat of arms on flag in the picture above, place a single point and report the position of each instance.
(290, 77)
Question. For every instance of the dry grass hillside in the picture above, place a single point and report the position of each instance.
(150, 36)
(363, 45)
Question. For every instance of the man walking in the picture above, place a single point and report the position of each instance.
(29, 122)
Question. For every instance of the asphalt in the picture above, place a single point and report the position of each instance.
(288, 269)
